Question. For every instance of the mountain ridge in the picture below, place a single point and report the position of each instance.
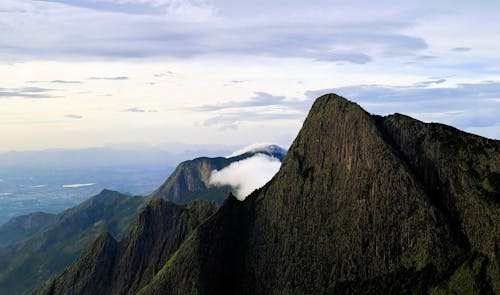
(361, 204)
(118, 267)
(191, 179)
(51, 249)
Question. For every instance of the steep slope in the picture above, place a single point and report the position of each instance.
(352, 210)
(461, 174)
(94, 264)
(190, 180)
(49, 251)
(108, 267)
(361, 204)
(21, 227)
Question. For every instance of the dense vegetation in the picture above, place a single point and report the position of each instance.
(37, 246)
(52, 242)
(109, 267)
(361, 204)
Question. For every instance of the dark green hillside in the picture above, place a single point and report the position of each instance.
(50, 250)
(21, 227)
(108, 267)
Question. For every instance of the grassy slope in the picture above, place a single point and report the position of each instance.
(50, 251)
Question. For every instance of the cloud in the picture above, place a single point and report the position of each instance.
(26, 92)
(119, 78)
(247, 175)
(56, 82)
(430, 82)
(425, 57)
(260, 99)
(73, 116)
(65, 82)
(135, 110)
(261, 107)
(234, 119)
(165, 74)
(461, 49)
(139, 110)
(194, 28)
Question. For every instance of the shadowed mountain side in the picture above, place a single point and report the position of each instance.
(21, 227)
(460, 173)
(190, 180)
(108, 267)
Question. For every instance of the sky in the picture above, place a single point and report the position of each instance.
(89, 73)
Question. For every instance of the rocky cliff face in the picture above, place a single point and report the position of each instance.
(361, 204)
(109, 267)
(459, 171)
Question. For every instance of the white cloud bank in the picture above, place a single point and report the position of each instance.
(246, 175)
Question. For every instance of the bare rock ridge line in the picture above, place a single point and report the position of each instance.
(361, 204)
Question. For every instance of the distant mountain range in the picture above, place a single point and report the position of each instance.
(37, 246)
(362, 204)
(40, 245)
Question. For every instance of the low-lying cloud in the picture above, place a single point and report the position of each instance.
(119, 78)
(73, 116)
(135, 110)
(246, 175)
(26, 92)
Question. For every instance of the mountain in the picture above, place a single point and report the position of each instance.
(21, 227)
(125, 267)
(36, 246)
(362, 204)
(190, 180)
(52, 247)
